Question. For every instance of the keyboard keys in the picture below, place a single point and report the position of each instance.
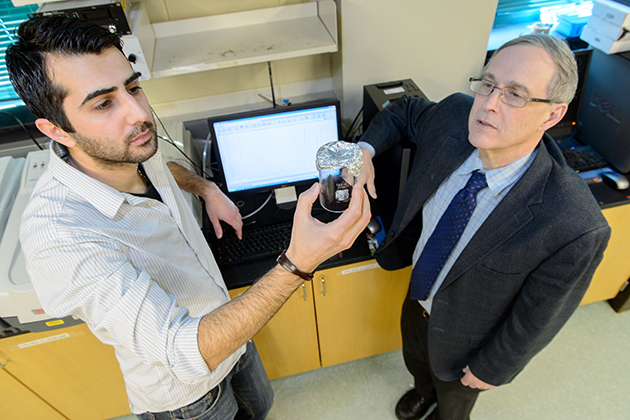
(583, 158)
(261, 242)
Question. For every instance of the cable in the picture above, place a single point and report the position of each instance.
(273, 95)
(25, 129)
(171, 141)
(351, 129)
(358, 131)
(259, 208)
(205, 155)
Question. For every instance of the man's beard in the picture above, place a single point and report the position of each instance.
(105, 153)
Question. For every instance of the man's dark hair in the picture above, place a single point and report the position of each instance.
(26, 60)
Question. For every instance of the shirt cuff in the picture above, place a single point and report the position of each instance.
(186, 361)
(367, 146)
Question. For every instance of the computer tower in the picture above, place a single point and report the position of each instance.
(377, 97)
(392, 167)
(567, 125)
(605, 116)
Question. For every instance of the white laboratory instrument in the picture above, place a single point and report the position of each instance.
(10, 174)
(19, 305)
(127, 19)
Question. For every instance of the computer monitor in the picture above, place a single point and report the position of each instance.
(605, 116)
(271, 148)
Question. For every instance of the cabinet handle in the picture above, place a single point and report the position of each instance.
(5, 360)
(323, 286)
(304, 291)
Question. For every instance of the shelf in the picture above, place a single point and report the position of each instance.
(234, 39)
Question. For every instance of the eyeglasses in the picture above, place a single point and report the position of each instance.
(509, 96)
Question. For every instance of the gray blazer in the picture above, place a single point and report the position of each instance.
(526, 269)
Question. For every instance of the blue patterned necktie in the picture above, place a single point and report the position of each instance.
(446, 234)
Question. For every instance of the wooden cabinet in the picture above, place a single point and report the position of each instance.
(358, 310)
(345, 313)
(288, 343)
(19, 402)
(614, 269)
(69, 370)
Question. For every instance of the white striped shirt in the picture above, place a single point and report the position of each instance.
(499, 180)
(137, 271)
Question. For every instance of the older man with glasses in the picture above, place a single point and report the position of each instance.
(503, 236)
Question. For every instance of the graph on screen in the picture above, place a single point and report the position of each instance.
(274, 149)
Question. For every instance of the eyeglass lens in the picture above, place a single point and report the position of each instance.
(509, 96)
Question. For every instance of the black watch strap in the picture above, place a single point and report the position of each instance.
(285, 263)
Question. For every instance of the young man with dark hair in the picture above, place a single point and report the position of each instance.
(108, 237)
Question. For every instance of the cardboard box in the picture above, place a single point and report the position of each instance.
(609, 30)
(604, 43)
(612, 12)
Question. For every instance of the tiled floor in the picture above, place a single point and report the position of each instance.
(583, 374)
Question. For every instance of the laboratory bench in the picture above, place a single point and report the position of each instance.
(350, 310)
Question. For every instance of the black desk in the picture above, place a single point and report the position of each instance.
(607, 196)
(245, 274)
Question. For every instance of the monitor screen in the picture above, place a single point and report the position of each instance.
(273, 147)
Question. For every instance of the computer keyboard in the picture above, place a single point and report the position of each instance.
(583, 158)
(257, 243)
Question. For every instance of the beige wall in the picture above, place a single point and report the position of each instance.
(438, 44)
(242, 78)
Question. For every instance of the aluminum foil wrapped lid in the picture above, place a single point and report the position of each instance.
(340, 154)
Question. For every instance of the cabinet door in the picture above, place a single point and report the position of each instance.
(70, 370)
(288, 343)
(358, 310)
(19, 402)
(614, 269)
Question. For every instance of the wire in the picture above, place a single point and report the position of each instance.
(358, 131)
(25, 129)
(205, 155)
(265, 98)
(259, 208)
(273, 95)
(351, 129)
(172, 142)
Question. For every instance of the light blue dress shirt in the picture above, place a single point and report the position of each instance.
(500, 181)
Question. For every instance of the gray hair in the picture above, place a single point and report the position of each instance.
(563, 84)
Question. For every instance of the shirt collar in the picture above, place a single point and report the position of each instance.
(104, 198)
(500, 178)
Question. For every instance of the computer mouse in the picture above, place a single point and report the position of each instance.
(374, 226)
(615, 180)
